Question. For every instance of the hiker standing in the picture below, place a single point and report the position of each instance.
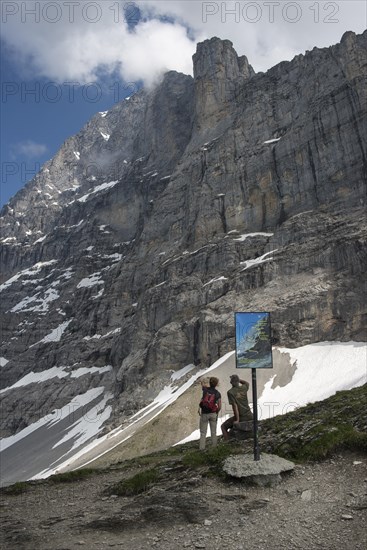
(209, 408)
(237, 397)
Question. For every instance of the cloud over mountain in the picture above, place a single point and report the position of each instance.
(29, 149)
(140, 40)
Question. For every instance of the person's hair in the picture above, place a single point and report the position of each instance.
(234, 379)
(213, 382)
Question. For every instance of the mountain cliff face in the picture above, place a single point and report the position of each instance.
(124, 259)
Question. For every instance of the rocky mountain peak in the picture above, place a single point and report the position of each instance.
(217, 59)
(218, 73)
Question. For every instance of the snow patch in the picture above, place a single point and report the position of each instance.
(42, 303)
(92, 280)
(89, 425)
(55, 335)
(8, 239)
(242, 238)
(31, 272)
(322, 369)
(38, 377)
(67, 274)
(215, 280)
(98, 295)
(98, 336)
(114, 257)
(55, 372)
(180, 373)
(97, 189)
(258, 261)
(75, 225)
(55, 416)
(82, 371)
(3, 361)
(41, 239)
(271, 141)
(160, 284)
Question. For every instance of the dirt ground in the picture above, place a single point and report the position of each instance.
(318, 506)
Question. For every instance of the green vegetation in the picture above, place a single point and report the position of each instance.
(137, 484)
(74, 475)
(212, 458)
(324, 441)
(320, 429)
(16, 489)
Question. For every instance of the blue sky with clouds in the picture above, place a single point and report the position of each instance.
(63, 61)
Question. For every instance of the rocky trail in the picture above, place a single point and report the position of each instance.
(320, 505)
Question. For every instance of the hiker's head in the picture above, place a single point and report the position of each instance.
(234, 380)
(213, 382)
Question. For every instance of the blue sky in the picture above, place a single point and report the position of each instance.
(61, 62)
(38, 115)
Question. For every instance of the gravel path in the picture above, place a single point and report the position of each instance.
(318, 506)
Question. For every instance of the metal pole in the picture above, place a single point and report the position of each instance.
(254, 401)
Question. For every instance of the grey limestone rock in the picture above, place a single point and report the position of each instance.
(124, 259)
(263, 472)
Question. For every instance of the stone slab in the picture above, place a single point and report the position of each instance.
(263, 472)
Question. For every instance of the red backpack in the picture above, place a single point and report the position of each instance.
(209, 402)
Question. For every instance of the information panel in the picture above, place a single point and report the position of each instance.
(253, 340)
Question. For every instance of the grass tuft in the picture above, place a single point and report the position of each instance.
(326, 441)
(16, 488)
(319, 429)
(74, 475)
(137, 484)
(213, 458)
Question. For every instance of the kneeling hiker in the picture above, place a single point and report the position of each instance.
(209, 408)
(237, 397)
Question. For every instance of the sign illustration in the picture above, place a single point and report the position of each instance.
(253, 341)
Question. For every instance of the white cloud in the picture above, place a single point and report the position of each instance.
(263, 29)
(80, 50)
(87, 37)
(29, 149)
(154, 48)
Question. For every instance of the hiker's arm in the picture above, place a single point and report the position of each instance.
(219, 405)
(236, 412)
(244, 383)
(199, 408)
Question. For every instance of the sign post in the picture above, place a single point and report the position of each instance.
(253, 350)
(254, 401)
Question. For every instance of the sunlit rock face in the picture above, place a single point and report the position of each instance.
(125, 258)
